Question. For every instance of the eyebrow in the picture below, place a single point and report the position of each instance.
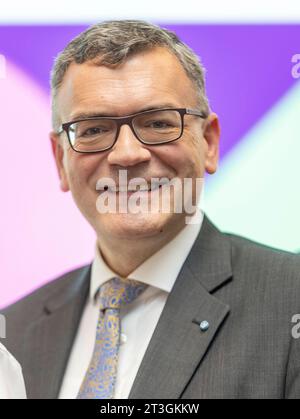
(83, 115)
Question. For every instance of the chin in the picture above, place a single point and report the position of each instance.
(133, 226)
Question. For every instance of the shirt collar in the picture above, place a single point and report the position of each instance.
(162, 268)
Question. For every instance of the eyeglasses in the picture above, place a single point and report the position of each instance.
(154, 127)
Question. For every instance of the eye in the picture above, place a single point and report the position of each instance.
(93, 131)
(158, 124)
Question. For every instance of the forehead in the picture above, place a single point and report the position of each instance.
(153, 77)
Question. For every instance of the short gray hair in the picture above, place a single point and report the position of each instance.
(110, 43)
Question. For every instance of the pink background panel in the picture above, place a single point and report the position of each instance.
(42, 232)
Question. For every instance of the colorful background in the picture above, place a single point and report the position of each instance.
(250, 85)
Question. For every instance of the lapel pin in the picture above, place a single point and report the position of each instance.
(204, 326)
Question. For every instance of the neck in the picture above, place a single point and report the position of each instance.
(124, 255)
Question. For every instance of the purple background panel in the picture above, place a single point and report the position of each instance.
(248, 66)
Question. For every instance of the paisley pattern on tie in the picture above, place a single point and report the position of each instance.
(100, 379)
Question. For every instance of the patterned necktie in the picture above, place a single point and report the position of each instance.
(100, 379)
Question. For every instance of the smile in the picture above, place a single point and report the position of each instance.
(135, 186)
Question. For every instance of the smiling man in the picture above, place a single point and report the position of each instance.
(142, 82)
(170, 307)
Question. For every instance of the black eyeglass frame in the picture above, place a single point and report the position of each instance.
(127, 120)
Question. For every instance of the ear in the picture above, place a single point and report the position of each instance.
(211, 133)
(58, 153)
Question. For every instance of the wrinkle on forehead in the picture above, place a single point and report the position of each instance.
(151, 76)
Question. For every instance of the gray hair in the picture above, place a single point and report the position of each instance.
(111, 43)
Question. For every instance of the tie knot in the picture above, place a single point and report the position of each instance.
(117, 292)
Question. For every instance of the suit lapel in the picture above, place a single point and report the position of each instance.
(49, 340)
(178, 346)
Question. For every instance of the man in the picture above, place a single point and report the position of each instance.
(170, 307)
(11, 379)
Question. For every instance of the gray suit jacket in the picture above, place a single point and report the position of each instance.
(248, 294)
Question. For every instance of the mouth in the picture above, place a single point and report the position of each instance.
(131, 188)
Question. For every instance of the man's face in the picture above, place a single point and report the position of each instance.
(153, 79)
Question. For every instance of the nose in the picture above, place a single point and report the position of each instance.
(128, 150)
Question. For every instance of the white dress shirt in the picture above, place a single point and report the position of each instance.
(138, 321)
(11, 379)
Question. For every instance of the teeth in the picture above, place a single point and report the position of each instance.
(142, 188)
(122, 189)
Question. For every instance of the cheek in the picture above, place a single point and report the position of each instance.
(186, 157)
(198, 154)
(81, 170)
